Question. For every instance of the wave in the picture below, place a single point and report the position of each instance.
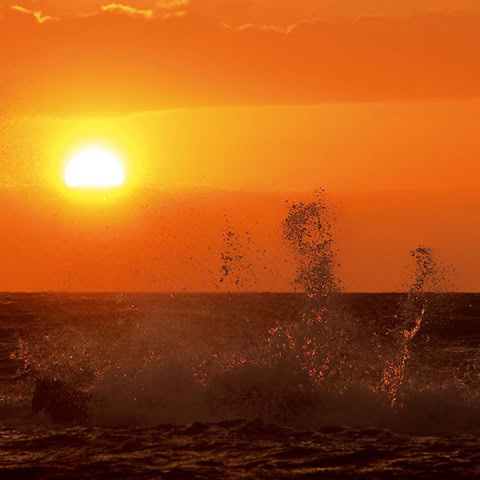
(327, 365)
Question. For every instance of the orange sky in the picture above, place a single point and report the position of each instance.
(252, 100)
(84, 65)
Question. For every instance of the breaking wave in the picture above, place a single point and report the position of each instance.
(324, 364)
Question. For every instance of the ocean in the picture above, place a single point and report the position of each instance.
(241, 385)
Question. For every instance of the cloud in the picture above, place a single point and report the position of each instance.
(172, 4)
(118, 7)
(265, 28)
(116, 65)
(173, 8)
(177, 14)
(38, 15)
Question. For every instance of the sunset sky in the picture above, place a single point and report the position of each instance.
(220, 111)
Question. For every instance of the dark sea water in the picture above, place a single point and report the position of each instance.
(194, 386)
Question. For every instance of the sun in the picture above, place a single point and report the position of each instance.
(94, 168)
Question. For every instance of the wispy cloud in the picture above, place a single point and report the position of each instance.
(127, 9)
(38, 15)
(178, 14)
(276, 28)
(265, 28)
(172, 4)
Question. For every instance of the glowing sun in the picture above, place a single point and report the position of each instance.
(94, 168)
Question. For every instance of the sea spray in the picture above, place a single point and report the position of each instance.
(325, 363)
(308, 228)
(336, 347)
(327, 349)
(236, 267)
(410, 319)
